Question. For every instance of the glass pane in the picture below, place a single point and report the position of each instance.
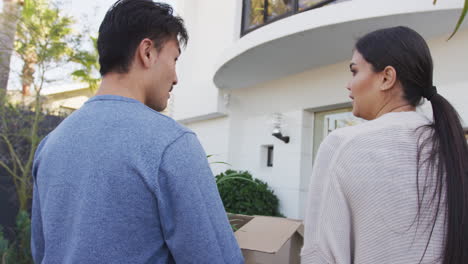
(339, 120)
(327, 121)
(279, 7)
(305, 4)
(253, 13)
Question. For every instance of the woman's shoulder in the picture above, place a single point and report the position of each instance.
(371, 144)
(384, 125)
(387, 132)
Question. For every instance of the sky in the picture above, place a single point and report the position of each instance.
(91, 12)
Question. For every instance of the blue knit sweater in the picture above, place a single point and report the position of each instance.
(117, 182)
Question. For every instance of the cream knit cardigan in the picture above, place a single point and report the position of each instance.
(363, 202)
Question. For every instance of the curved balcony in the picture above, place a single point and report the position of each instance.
(324, 36)
(258, 13)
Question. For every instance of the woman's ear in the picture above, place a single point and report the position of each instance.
(389, 78)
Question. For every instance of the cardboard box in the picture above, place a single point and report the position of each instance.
(268, 240)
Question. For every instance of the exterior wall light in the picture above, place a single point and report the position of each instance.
(277, 122)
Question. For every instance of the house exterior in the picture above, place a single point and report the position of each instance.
(254, 68)
(57, 100)
(62, 99)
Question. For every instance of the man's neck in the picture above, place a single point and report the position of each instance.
(123, 85)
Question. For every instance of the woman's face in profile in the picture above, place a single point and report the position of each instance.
(364, 88)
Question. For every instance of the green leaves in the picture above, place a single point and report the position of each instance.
(44, 39)
(88, 62)
(4, 246)
(19, 251)
(28, 8)
(232, 176)
(241, 194)
(460, 19)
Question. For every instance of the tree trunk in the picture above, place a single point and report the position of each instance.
(27, 75)
(8, 22)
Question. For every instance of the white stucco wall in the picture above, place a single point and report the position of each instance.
(450, 64)
(248, 127)
(290, 45)
(214, 29)
(214, 137)
(240, 135)
(250, 112)
(210, 24)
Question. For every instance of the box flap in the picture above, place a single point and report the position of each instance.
(300, 230)
(238, 220)
(266, 234)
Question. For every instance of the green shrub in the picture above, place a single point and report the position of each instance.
(4, 247)
(249, 196)
(18, 252)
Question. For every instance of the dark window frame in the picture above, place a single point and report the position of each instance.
(270, 155)
(245, 31)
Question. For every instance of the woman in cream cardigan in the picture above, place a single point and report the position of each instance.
(394, 189)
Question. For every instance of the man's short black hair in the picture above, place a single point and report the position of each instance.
(127, 23)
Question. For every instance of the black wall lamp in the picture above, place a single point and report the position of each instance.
(277, 134)
(277, 120)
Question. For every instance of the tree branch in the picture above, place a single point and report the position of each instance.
(34, 129)
(13, 152)
(8, 169)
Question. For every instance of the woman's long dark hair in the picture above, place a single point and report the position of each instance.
(406, 51)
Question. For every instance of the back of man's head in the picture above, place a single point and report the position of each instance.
(127, 23)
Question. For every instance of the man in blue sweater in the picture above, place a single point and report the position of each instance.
(118, 182)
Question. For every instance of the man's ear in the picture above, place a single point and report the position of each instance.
(146, 52)
(389, 78)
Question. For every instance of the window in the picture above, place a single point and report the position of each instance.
(266, 158)
(257, 13)
(327, 121)
(279, 8)
(253, 14)
(308, 4)
(270, 156)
